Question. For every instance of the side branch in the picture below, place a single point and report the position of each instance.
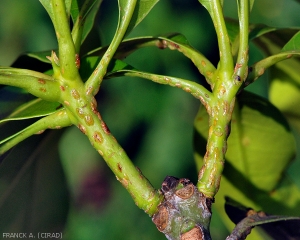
(226, 60)
(197, 90)
(56, 120)
(241, 67)
(67, 54)
(92, 85)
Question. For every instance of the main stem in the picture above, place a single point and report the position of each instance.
(82, 111)
(227, 83)
(220, 113)
(81, 107)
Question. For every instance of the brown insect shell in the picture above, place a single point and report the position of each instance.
(194, 234)
(185, 192)
(161, 218)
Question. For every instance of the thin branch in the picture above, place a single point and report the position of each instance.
(226, 60)
(67, 58)
(56, 120)
(92, 85)
(241, 67)
(197, 90)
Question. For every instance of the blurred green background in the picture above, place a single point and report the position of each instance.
(153, 123)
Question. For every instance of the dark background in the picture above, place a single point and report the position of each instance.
(153, 123)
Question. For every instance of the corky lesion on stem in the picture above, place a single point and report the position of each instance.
(220, 112)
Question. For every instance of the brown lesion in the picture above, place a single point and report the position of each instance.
(97, 137)
(41, 81)
(194, 234)
(161, 218)
(185, 192)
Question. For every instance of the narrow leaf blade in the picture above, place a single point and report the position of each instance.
(33, 109)
(293, 44)
(142, 9)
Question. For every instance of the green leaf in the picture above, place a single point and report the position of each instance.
(142, 9)
(33, 189)
(293, 44)
(259, 68)
(47, 4)
(88, 65)
(41, 56)
(32, 109)
(126, 10)
(284, 76)
(83, 14)
(207, 4)
(260, 147)
(233, 30)
(269, 39)
(68, 4)
(251, 4)
(56, 120)
(284, 90)
(257, 30)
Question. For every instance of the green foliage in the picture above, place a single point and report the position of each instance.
(37, 174)
(34, 195)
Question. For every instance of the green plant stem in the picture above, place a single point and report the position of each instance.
(227, 83)
(226, 60)
(259, 68)
(197, 90)
(205, 67)
(92, 85)
(79, 23)
(56, 120)
(241, 67)
(36, 83)
(66, 46)
(81, 108)
(220, 112)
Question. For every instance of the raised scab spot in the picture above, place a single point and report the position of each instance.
(218, 131)
(80, 112)
(173, 46)
(43, 89)
(105, 127)
(40, 132)
(98, 137)
(177, 85)
(100, 152)
(94, 105)
(66, 103)
(77, 61)
(82, 128)
(124, 182)
(89, 119)
(41, 81)
(161, 44)
(187, 89)
(119, 167)
(261, 71)
(75, 94)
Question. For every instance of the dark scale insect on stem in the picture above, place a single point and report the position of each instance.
(237, 78)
